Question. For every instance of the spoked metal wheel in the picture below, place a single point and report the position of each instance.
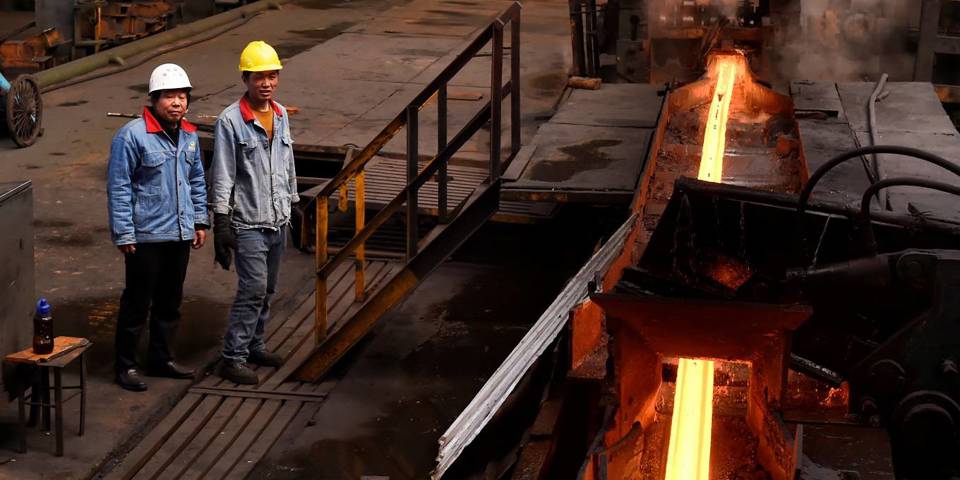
(24, 110)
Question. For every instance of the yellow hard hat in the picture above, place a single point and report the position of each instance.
(258, 56)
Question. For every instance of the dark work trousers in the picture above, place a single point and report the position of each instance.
(155, 275)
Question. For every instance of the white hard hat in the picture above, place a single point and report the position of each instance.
(169, 76)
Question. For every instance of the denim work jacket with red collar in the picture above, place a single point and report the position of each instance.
(155, 189)
(253, 178)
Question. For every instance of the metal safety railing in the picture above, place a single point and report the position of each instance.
(407, 199)
(586, 36)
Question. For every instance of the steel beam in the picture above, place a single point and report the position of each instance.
(929, 24)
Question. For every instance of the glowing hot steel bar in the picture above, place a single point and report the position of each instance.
(688, 457)
(715, 134)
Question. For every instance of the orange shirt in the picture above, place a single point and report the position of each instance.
(265, 119)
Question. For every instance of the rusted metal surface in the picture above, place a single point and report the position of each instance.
(320, 309)
(32, 54)
(948, 93)
(638, 328)
(646, 329)
(101, 24)
(677, 327)
(360, 221)
(588, 355)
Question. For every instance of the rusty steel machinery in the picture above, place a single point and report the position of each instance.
(36, 52)
(666, 40)
(100, 24)
(744, 327)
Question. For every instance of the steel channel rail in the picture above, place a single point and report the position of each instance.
(498, 387)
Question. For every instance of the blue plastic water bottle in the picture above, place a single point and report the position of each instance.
(43, 328)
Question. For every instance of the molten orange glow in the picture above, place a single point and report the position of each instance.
(715, 134)
(688, 457)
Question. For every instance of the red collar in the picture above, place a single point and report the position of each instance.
(153, 125)
(247, 113)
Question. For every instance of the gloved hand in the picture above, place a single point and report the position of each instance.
(224, 241)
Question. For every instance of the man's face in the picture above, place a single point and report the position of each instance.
(171, 106)
(262, 85)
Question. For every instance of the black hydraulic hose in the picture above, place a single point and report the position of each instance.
(864, 217)
(888, 149)
(819, 173)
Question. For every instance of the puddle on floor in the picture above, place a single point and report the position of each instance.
(579, 158)
(201, 328)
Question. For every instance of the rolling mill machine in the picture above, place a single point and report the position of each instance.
(744, 324)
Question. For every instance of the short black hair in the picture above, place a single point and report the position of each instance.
(155, 96)
(246, 74)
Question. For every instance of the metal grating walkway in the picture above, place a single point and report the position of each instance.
(386, 177)
(220, 429)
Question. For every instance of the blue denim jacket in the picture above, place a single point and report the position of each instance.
(155, 190)
(252, 178)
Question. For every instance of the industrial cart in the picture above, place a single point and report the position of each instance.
(22, 109)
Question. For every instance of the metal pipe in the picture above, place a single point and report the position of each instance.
(592, 39)
(576, 26)
(875, 135)
(441, 144)
(515, 140)
(360, 207)
(413, 232)
(320, 314)
(496, 100)
(88, 64)
(343, 200)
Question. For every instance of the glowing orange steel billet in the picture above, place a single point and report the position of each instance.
(715, 134)
(688, 457)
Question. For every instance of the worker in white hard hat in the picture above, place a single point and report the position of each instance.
(254, 184)
(157, 203)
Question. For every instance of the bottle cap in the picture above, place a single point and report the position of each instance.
(43, 308)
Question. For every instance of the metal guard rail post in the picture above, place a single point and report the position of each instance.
(354, 164)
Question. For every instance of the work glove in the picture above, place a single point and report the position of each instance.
(224, 241)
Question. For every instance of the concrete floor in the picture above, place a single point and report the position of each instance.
(345, 93)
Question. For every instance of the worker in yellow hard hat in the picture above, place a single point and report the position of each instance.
(254, 184)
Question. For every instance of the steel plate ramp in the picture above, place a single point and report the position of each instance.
(457, 219)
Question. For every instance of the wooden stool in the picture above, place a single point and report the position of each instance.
(65, 351)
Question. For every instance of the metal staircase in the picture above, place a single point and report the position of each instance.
(335, 335)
